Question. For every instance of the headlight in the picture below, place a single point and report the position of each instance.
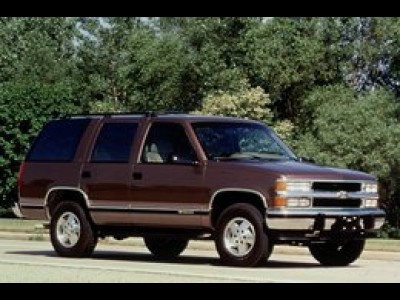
(293, 186)
(370, 187)
(282, 199)
(298, 202)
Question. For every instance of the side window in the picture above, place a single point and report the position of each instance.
(58, 140)
(167, 142)
(114, 143)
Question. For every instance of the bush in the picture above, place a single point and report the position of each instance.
(6, 213)
(246, 102)
(24, 108)
(358, 132)
(389, 232)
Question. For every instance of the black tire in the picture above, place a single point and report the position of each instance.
(337, 253)
(227, 242)
(165, 248)
(86, 238)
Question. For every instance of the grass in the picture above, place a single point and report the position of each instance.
(20, 225)
(383, 245)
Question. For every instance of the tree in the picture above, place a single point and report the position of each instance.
(249, 103)
(289, 56)
(356, 131)
(37, 81)
(128, 62)
(101, 47)
(159, 74)
(40, 48)
(24, 107)
(371, 53)
(217, 47)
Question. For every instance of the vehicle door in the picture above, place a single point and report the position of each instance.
(107, 173)
(167, 186)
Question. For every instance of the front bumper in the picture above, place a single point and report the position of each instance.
(324, 219)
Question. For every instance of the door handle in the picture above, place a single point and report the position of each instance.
(137, 176)
(86, 174)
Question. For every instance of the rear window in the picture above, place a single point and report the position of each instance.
(114, 143)
(58, 141)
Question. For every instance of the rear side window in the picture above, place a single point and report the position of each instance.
(58, 141)
(114, 143)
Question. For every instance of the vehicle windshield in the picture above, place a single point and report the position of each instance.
(240, 140)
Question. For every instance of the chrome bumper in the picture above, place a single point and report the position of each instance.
(306, 219)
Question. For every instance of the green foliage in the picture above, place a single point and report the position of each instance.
(389, 232)
(249, 103)
(159, 73)
(217, 49)
(24, 108)
(359, 132)
(352, 131)
(40, 48)
(106, 106)
(127, 61)
(288, 58)
(6, 213)
(285, 129)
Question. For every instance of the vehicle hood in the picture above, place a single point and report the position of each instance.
(295, 169)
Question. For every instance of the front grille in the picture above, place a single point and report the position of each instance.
(332, 202)
(336, 186)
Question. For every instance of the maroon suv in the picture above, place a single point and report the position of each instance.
(171, 178)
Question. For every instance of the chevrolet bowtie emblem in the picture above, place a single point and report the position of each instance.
(342, 195)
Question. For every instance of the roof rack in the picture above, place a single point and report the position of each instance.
(109, 114)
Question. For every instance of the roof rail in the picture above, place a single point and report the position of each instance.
(109, 114)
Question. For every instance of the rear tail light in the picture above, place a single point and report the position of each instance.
(20, 174)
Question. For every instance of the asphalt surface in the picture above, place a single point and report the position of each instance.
(35, 261)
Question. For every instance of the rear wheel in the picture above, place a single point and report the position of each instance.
(71, 233)
(337, 253)
(240, 236)
(165, 248)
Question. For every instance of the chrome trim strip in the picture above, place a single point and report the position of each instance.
(69, 188)
(237, 190)
(329, 212)
(57, 188)
(149, 210)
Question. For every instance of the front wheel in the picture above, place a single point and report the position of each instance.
(240, 236)
(71, 233)
(337, 253)
(165, 248)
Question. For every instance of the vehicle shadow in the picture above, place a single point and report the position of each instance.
(183, 259)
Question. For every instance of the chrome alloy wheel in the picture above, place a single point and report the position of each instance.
(239, 237)
(68, 229)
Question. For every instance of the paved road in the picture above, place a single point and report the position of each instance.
(35, 261)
